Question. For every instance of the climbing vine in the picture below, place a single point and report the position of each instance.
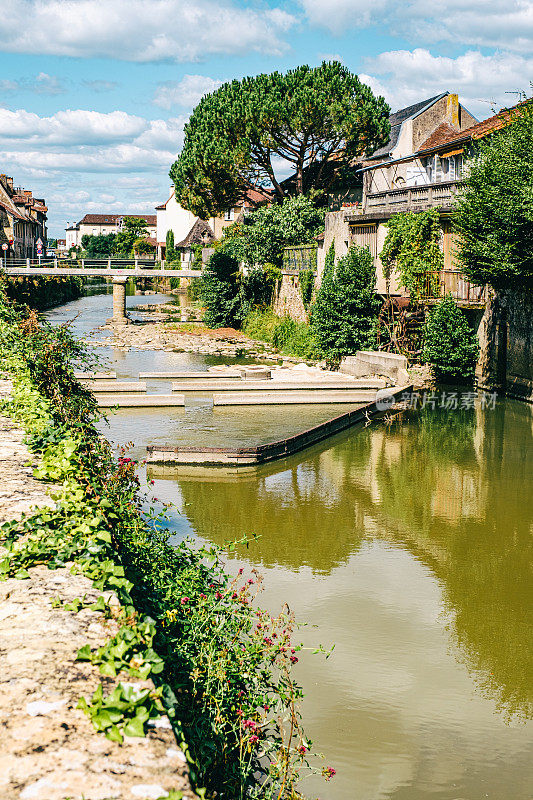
(412, 248)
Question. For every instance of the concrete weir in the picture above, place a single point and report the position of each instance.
(251, 456)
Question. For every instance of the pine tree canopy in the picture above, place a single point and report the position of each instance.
(316, 120)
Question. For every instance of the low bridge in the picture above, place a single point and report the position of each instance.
(117, 272)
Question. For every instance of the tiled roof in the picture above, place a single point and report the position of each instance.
(441, 134)
(11, 210)
(254, 196)
(198, 234)
(446, 136)
(107, 219)
(411, 111)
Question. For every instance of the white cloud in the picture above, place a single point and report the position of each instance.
(40, 84)
(487, 23)
(187, 92)
(100, 86)
(338, 15)
(71, 127)
(482, 81)
(141, 30)
(84, 161)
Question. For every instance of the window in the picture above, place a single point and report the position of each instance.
(229, 215)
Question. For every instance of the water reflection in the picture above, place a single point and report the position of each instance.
(409, 546)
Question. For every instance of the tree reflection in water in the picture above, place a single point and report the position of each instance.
(453, 488)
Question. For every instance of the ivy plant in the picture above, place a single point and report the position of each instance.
(412, 248)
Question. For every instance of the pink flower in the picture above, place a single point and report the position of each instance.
(184, 600)
(328, 773)
(218, 595)
(294, 660)
(302, 750)
(253, 739)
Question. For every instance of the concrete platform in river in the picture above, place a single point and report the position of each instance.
(294, 397)
(115, 386)
(328, 384)
(140, 400)
(260, 454)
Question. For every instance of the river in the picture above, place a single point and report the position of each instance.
(407, 546)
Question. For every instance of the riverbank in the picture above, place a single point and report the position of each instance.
(187, 338)
(49, 749)
(179, 612)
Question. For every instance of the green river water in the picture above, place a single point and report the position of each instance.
(407, 546)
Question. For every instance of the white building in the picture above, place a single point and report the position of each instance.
(102, 224)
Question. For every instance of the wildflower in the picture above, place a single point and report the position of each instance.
(302, 750)
(203, 596)
(253, 739)
(218, 596)
(249, 723)
(234, 595)
(294, 660)
(328, 773)
(240, 571)
(250, 581)
(184, 600)
(152, 483)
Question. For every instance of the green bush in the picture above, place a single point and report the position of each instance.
(219, 291)
(450, 344)
(289, 337)
(44, 292)
(344, 315)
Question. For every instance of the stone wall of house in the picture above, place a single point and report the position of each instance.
(336, 230)
(287, 301)
(506, 339)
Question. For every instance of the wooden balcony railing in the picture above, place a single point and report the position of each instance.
(437, 285)
(412, 198)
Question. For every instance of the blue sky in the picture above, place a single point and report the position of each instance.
(94, 93)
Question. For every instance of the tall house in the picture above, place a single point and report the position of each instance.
(405, 174)
(22, 220)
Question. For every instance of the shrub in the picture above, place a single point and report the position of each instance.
(289, 337)
(344, 315)
(450, 344)
(219, 291)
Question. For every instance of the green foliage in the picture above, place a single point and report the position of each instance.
(344, 315)
(142, 247)
(133, 229)
(258, 243)
(101, 246)
(290, 337)
(130, 650)
(306, 278)
(494, 207)
(41, 293)
(169, 241)
(219, 291)
(450, 344)
(226, 681)
(412, 247)
(124, 712)
(316, 119)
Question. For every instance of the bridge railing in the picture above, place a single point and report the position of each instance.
(46, 262)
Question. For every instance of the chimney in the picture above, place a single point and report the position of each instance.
(452, 110)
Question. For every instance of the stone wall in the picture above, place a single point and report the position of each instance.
(506, 338)
(287, 301)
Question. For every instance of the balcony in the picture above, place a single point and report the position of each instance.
(412, 198)
(443, 283)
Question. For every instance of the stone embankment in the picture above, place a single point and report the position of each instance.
(48, 748)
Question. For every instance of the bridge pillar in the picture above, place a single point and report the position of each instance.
(119, 302)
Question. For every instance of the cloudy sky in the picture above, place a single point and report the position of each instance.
(94, 93)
